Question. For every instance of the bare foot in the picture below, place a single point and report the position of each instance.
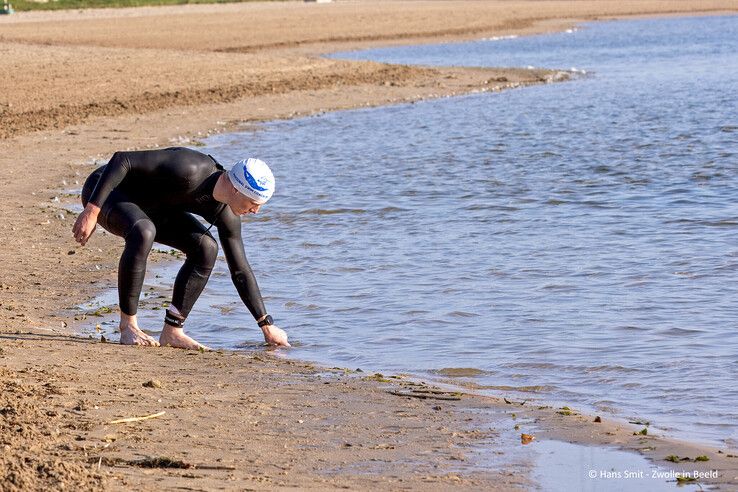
(175, 337)
(132, 335)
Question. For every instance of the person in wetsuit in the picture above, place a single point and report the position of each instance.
(151, 196)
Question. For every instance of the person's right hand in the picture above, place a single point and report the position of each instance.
(86, 223)
(274, 336)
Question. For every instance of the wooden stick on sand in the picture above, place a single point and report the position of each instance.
(137, 419)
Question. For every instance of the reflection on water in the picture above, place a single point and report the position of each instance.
(576, 238)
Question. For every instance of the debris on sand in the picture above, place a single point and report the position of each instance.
(137, 419)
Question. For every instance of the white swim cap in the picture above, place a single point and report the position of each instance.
(253, 178)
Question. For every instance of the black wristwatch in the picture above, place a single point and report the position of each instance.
(266, 321)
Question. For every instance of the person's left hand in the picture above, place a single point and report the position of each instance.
(85, 224)
(275, 336)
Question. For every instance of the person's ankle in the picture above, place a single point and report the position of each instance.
(128, 322)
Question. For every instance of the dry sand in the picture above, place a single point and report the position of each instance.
(79, 85)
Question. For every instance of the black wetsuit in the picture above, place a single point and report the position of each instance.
(150, 196)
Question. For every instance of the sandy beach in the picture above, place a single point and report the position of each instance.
(79, 85)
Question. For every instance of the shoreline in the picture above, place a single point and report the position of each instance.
(31, 360)
(299, 56)
(453, 381)
(467, 386)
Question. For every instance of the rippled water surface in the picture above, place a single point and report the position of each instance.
(575, 242)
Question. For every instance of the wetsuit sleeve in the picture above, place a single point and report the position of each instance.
(229, 231)
(111, 177)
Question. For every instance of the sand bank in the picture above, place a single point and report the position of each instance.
(78, 86)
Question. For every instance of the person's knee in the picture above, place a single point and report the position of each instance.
(208, 251)
(142, 233)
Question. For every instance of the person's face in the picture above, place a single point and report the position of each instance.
(241, 205)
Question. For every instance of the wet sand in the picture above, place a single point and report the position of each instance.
(78, 86)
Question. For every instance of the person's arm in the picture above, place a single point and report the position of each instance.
(115, 170)
(111, 177)
(229, 231)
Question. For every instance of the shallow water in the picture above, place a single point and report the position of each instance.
(574, 243)
(563, 467)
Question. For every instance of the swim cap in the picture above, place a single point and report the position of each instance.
(252, 178)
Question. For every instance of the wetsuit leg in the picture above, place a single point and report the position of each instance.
(184, 232)
(124, 218)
